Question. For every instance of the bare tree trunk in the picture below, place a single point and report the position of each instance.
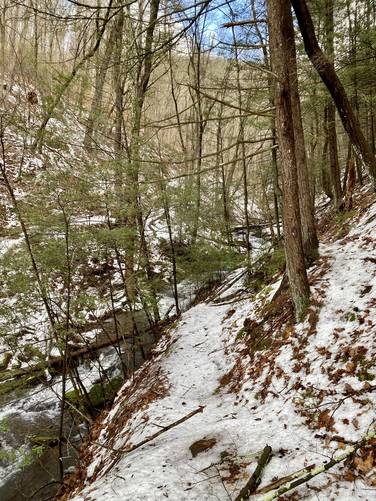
(118, 85)
(167, 212)
(335, 174)
(325, 174)
(306, 202)
(144, 70)
(334, 85)
(276, 188)
(241, 139)
(279, 38)
(198, 128)
(36, 42)
(98, 91)
(3, 35)
(226, 211)
(372, 127)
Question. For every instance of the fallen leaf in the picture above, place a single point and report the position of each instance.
(326, 420)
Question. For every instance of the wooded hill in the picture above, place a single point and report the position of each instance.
(149, 149)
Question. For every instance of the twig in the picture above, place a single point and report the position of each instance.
(223, 483)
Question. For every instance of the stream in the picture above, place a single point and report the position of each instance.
(30, 413)
(29, 416)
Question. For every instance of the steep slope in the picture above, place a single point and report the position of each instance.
(307, 390)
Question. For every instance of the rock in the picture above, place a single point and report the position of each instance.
(202, 445)
(4, 362)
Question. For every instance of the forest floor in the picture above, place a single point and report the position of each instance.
(307, 390)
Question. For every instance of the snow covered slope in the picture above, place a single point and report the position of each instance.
(307, 390)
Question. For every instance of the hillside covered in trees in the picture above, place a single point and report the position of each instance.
(187, 250)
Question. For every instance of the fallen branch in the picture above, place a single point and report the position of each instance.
(288, 478)
(163, 430)
(308, 475)
(255, 479)
(244, 22)
(127, 450)
(226, 286)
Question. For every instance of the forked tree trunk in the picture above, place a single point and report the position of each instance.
(279, 38)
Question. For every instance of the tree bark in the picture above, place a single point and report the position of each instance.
(279, 39)
(255, 479)
(143, 72)
(242, 146)
(306, 202)
(276, 188)
(166, 208)
(335, 173)
(98, 91)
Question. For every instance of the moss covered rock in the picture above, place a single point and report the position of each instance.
(100, 394)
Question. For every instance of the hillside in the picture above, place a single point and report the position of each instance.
(307, 390)
(187, 250)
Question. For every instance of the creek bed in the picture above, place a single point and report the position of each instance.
(29, 415)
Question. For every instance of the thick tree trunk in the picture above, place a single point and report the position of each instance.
(372, 120)
(306, 203)
(279, 39)
(328, 75)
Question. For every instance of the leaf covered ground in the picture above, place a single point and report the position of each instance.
(307, 390)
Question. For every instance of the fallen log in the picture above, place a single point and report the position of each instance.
(77, 352)
(56, 363)
(163, 430)
(283, 480)
(252, 484)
